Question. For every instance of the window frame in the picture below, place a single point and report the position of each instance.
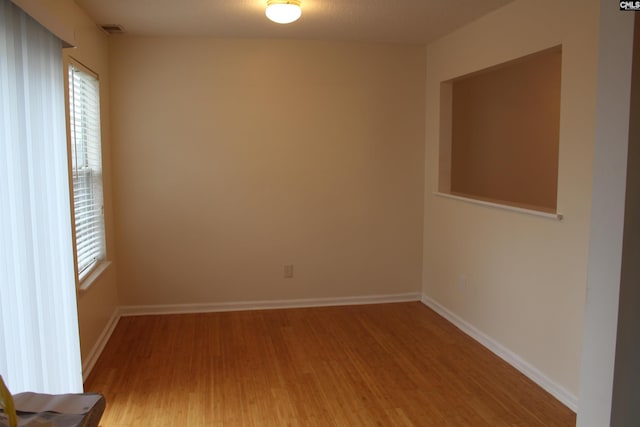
(85, 278)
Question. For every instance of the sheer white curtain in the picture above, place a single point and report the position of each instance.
(39, 344)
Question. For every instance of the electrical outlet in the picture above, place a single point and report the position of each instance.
(288, 271)
(462, 283)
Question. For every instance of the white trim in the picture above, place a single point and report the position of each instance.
(96, 351)
(92, 276)
(559, 392)
(141, 310)
(557, 216)
(556, 390)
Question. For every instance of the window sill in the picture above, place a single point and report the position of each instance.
(97, 271)
(548, 215)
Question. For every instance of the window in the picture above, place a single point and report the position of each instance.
(500, 133)
(86, 168)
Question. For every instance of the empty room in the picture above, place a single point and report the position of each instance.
(320, 212)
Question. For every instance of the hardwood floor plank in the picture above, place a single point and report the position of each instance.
(388, 365)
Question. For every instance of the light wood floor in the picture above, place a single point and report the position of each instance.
(377, 365)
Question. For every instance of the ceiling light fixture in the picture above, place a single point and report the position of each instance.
(283, 11)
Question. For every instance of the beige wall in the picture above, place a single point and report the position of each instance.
(96, 305)
(235, 157)
(525, 275)
(505, 131)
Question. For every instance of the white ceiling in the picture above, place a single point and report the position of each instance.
(403, 21)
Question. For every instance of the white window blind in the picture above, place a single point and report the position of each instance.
(39, 343)
(84, 117)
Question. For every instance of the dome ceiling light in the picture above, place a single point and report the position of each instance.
(283, 11)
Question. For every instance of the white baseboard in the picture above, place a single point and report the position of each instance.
(557, 391)
(141, 310)
(96, 351)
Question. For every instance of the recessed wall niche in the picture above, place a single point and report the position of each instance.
(499, 132)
